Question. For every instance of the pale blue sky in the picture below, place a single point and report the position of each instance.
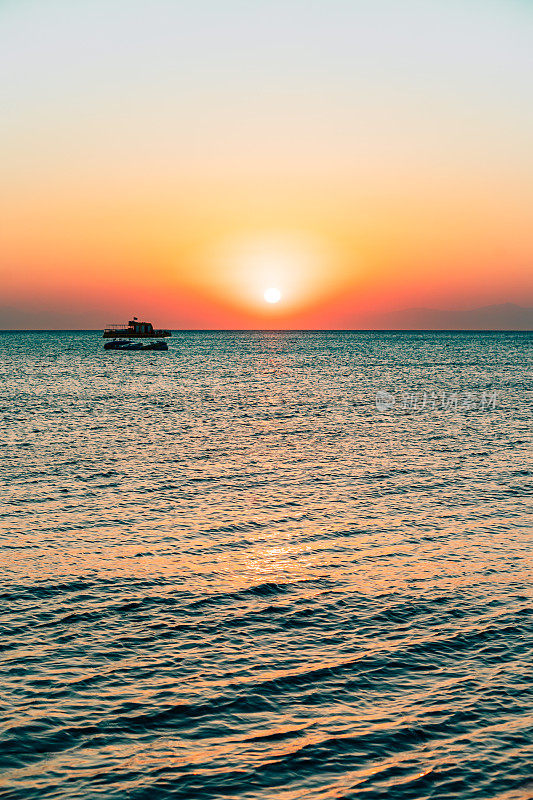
(177, 70)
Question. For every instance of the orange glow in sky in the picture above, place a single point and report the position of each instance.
(178, 162)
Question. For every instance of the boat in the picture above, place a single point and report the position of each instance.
(122, 336)
(135, 330)
(116, 344)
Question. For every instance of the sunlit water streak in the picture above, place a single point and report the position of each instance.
(226, 574)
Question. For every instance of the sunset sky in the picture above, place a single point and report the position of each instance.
(176, 159)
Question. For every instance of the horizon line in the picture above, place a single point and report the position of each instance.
(286, 330)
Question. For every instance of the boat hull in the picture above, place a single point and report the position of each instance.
(111, 333)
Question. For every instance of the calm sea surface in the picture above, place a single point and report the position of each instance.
(226, 573)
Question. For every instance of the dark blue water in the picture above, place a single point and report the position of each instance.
(266, 565)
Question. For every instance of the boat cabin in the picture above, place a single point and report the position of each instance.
(134, 330)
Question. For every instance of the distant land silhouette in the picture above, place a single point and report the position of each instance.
(503, 316)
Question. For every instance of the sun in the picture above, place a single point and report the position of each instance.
(272, 295)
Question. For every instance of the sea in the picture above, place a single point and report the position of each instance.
(266, 565)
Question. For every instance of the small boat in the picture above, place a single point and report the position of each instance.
(122, 336)
(116, 344)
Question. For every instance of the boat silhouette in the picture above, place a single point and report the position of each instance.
(122, 336)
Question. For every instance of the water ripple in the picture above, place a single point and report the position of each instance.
(226, 574)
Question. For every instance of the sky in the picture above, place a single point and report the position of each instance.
(174, 160)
